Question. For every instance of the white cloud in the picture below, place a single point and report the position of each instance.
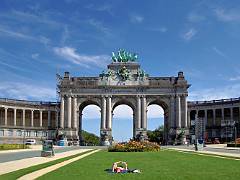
(125, 112)
(160, 29)
(155, 111)
(35, 55)
(44, 18)
(237, 78)
(122, 112)
(65, 35)
(194, 17)
(91, 112)
(229, 91)
(135, 18)
(15, 34)
(219, 52)
(19, 35)
(87, 61)
(25, 91)
(100, 27)
(188, 35)
(232, 15)
(102, 8)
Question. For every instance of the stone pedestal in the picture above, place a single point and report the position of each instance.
(106, 137)
(141, 134)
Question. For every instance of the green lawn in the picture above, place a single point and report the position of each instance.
(154, 165)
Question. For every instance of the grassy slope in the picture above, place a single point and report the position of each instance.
(16, 174)
(155, 165)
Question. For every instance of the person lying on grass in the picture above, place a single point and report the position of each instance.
(119, 168)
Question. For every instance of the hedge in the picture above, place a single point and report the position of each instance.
(13, 146)
(135, 146)
(233, 145)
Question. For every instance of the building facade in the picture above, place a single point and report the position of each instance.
(215, 119)
(20, 120)
(124, 82)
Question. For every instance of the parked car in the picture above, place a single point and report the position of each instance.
(216, 141)
(30, 142)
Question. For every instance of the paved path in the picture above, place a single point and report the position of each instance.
(219, 152)
(13, 155)
(41, 172)
(211, 148)
(10, 166)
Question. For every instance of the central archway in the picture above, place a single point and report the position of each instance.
(122, 126)
(123, 119)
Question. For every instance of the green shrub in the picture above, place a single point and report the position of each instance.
(135, 146)
(233, 145)
(13, 146)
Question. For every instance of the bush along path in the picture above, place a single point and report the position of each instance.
(36, 174)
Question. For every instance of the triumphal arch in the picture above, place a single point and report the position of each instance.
(124, 82)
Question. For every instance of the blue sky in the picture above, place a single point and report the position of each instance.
(41, 38)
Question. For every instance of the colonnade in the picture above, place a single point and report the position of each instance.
(214, 117)
(68, 116)
(23, 117)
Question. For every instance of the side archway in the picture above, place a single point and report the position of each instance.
(160, 108)
(88, 116)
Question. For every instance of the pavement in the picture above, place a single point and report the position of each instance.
(220, 150)
(14, 165)
(35, 151)
(41, 172)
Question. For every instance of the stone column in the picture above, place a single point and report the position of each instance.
(188, 118)
(23, 120)
(109, 112)
(80, 129)
(196, 115)
(69, 111)
(134, 125)
(172, 112)
(32, 111)
(5, 116)
(14, 117)
(178, 111)
(62, 112)
(214, 117)
(74, 112)
(40, 119)
(56, 119)
(231, 113)
(185, 112)
(144, 113)
(103, 113)
(138, 113)
(222, 114)
(206, 118)
(49, 118)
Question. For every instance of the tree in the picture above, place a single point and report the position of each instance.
(156, 135)
(90, 139)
